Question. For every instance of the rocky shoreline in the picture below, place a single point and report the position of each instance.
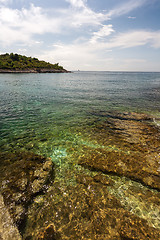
(40, 70)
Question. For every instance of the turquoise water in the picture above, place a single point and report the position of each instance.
(37, 108)
(51, 115)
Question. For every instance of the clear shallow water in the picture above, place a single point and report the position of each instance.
(52, 106)
(50, 114)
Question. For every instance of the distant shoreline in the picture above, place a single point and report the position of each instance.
(41, 70)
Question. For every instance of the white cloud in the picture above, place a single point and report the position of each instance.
(104, 31)
(92, 55)
(72, 56)
(134, 39)
(156, 40)
(77, 3)
(125, 8)
(81, 14)
(4, 1)
(130, 17)
(22, 50)
(22, 25)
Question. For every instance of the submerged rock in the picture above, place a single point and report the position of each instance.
(131, 147)
(91, 207)
(85, 211)
(23, 176)
(49, 234)
(8, 231)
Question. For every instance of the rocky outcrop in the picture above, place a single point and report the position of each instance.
(23, 177)
(131, 147)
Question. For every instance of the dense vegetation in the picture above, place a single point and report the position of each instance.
(18, 62)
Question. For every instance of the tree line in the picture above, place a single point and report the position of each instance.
(18, 62)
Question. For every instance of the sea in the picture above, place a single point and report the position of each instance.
(52, 115)
(49, 106)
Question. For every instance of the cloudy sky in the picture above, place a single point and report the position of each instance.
(84, 34)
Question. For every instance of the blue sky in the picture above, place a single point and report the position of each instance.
(107, 35)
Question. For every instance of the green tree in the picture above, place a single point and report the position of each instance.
(14, 57)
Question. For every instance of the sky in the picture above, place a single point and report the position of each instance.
(88, 35)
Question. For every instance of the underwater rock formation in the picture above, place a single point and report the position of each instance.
(134, 151)
(8, 230)
(23, 176)
(100, 204)
(86, 211)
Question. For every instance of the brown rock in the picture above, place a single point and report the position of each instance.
(86, 211)
(23, 175)
(135, 153)
(8, 231)
(135, 228)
